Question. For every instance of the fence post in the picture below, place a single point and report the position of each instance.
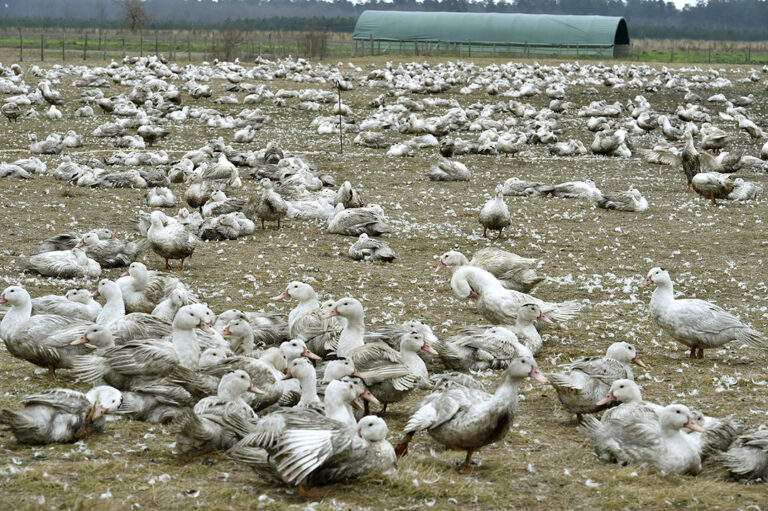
(85, 47)
(104, 56)
(709, 54)
(21, 46)
(371, 39)
(205, 48)
(259, 49)
(42, 47)
(189, 50)
(123, 47)
(141, 45)
(156, 53)
(749, 54)
(672, 54)
(63, 49)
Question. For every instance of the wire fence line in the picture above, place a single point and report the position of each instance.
(29, 45)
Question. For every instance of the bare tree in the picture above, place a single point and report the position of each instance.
(134, 16)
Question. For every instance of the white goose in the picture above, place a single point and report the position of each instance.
(582, 383)
(61, 415)
(171, 241)
(76, 303)
(495, 215)
(696, 323)
(305, 321)
(143, 289)
(495, 303)
(659, 442)
(65, 264)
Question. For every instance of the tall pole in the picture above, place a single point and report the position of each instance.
(341, 131)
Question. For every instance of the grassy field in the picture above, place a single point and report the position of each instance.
(593, 256)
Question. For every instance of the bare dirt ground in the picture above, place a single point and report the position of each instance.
(593, 256)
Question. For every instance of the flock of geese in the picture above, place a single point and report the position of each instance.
(291, 396)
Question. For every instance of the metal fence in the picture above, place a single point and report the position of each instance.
(31, 45)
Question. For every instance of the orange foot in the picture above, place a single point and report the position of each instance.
(311, 493)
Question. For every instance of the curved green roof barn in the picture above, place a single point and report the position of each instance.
(537, 34)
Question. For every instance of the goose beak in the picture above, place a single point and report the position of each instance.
(209, 201)
(113, 237)
(360, 433)
(283, 296)
(440, 266)
(287, 374)
(358, 374)
(429, 349)
(369, 397)
(204, 327)
(357, 404)
(639, 362)
(536, 375)
(226, 331)
(646, 282)
(95, 294)
(82, 340)
(334, 312)
(607, 399)
(126, 274)
(98, 411)
(691, 424)
(255, 390)
(80, 244)
(310, 355)
(3, 299)
(545, 319)
(472, 294)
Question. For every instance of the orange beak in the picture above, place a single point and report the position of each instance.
(369, 397)
(226, 331)
(82, 340)
(429, 349)
(639, 362)
(282, 296)
(255, 390)
(536, 375)
(334, 312)
(607, 399)
(545, 319)
(95, 294)
(440, 266)
(310, 355)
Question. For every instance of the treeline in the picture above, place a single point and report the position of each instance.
(287, 23)
(712, 19)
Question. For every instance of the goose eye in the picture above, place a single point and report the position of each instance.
(621, 386)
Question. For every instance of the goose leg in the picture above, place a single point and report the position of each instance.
(382, 411)
(167, 266)
(579, 418)
(499, 236)
(700, 353)
(366, 407)
(311, 493)
(278, 224)
(466, 466)
(52, 371)
(693, 352)
(181, 266)
(485, 232)
(713, 199)
(688, 189)
(262, 224)
(402, 448)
